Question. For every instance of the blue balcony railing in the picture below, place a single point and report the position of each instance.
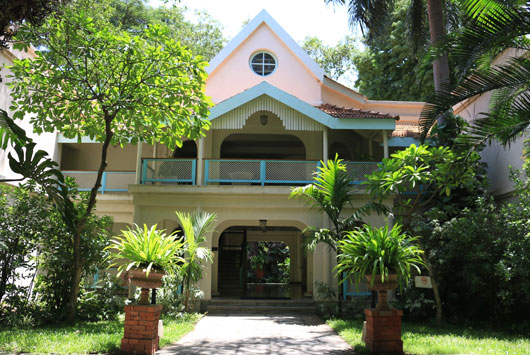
(258, 172)
(242, 172)
(111, 181)
(169, 171)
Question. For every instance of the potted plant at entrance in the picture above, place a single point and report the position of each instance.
(146, 255)
(257, 262)
(382, 255)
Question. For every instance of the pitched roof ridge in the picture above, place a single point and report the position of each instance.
(330, 107)
(264, 17)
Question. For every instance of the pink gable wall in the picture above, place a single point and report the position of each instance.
(234, 75)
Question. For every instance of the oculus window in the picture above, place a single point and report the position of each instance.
(263, 63)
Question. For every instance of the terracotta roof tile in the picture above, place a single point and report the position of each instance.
(346, 112)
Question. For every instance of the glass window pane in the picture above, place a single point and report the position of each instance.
(263, 63)
(258, 68)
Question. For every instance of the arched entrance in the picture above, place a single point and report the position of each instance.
(284, 265)
(262, 146)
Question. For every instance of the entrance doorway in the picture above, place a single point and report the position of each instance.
(254, 263)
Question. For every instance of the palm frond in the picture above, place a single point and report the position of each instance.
(10, 131)
(492, 26)
(513, 75)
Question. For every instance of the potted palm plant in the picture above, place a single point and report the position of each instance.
(257, 262)
(145, 255)
(384, 256)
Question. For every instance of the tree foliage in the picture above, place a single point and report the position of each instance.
(388, 68)
(419, 177)
(336, 61)
(112, 86)
(15, 13)
(496, 237)
(202, 37)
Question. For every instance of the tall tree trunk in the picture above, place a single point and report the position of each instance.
(441, 73)
(77, 264)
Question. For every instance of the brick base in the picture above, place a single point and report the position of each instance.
(140, 331)
(383, 331)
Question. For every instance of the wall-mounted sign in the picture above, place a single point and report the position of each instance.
(423, 281)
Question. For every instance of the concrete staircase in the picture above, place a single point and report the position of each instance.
(257, 306)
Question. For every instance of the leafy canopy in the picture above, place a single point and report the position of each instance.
(101, 83)
(424, 171)
(336, 61)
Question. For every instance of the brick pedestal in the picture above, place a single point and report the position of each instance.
(383, 331)
(140, 333)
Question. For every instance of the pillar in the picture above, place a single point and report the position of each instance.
(139, 149)
(325, 145)
(383, 331)
(385, 143)
(200, 165)
(140, 331)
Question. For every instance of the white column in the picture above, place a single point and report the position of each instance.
(370, 149)
(325, 151)
(385, 144)
(200, 158)
(139, 162)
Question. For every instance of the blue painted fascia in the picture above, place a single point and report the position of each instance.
(264, 88)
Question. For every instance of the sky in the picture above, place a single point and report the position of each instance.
(300, 18)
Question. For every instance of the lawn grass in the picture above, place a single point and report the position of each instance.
(445, 339)
(84, 337)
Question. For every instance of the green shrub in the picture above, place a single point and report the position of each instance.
(481, 256)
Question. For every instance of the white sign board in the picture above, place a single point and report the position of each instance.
(423, 281)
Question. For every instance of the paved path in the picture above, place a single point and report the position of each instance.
(256, 334)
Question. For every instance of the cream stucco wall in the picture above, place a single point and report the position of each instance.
(234, 75)
(242, 206)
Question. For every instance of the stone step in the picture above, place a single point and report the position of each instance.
(219, 309)
(242, 306)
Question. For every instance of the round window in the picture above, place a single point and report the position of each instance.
(263, 63)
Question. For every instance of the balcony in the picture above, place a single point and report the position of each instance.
(111, 181)
(216, 172)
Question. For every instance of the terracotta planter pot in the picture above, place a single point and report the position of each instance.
(260, 273)
(382, 288)
(139, 278)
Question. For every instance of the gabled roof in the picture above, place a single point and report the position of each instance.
(264, 17)
(347, 112)
(264, 88)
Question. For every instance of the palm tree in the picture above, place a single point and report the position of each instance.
(373, 14)
(194, 226)
(492, 27)
(331, 192)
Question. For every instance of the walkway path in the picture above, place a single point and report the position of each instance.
(257, 334)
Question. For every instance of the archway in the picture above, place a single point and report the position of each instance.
(236, 246)
(263, 146)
